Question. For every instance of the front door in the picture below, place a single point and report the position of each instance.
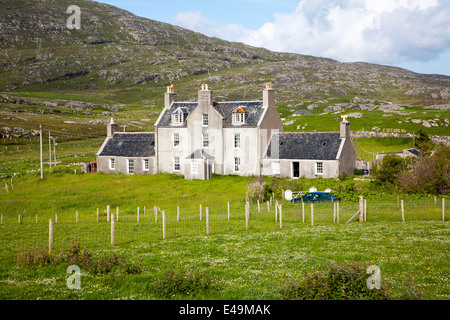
(295, 169)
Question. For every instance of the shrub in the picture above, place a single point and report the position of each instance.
(75, 256)
(429, 174)
(342, 282)
(389, 168)
(184, 281)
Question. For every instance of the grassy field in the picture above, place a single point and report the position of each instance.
(245, 264)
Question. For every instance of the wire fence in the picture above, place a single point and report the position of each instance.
(134, 227)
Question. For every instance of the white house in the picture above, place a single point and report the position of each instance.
(199, 139)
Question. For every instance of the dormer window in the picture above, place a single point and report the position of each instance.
(179, 115)
(177, 118)
(239, 116)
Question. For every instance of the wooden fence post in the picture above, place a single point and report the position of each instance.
(334, 212)
(246, 215)
(108, 212)
(361, 208)
(443, 209)
(259, 209)
(164, 223)
(403, 211)
(228, 208)
(207, 221)
(56, 218)
(365, 209)
(138, 214)
(281, 215)
(303, 211)
(276, 210)
(112, 229)
(50, 236)
(312, 214)
(76, 217)
(97, 214)
(117, 213)
(178, 213)
(337, 212)
(155, 209)
(18, 219)
(200, 212)
(268, 206)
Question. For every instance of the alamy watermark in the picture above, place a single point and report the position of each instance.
(74, 280)
(374, 281)
(74, 21)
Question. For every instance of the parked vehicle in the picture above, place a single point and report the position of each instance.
(317, 197)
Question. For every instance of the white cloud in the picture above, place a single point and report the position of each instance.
(382, 31)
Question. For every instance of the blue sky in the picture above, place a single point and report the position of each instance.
(412, 34)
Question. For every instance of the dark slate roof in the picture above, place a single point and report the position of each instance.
(253, 111)
(414, 151)
(166, 118)
(305, 145)
(200, 154)
(130, 145)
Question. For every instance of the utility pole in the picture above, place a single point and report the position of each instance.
(50, 149)
(40, 142)
(54, 151)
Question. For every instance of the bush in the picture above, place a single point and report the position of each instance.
(75, 256)
(182, 281)
(389, 168)
(429, 174)
(342, 282)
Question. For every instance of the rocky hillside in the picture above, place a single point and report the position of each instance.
(118, 64)
(116, 49)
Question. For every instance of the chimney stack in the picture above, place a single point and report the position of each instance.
(344, 128)
(169, 97)
(111, 128)
(205, 97)
(268, 96)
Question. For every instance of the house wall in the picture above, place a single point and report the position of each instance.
(248, 152)
(214, 130)
(121, 164)
(167, 151)
(347, 160)
(307, 168)
(270, 121)
(202, 169)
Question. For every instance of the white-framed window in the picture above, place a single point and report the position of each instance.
(194, 167)
(237, 140)
(130, 165)
(176, 163)
(205, 120)
(276, 167)
(205, 140)
(239, 118)
(145, 164)
(319, 167)
(177, 118)
(237, 164)
(112, 164)
(176, 139)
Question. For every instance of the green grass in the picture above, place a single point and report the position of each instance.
(366, 148)
(246, 264)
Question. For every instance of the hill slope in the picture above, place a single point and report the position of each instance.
(119, 64)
